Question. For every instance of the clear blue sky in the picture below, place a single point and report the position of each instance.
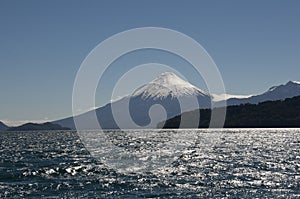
(255, 44)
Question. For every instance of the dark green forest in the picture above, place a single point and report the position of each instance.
(281, 113)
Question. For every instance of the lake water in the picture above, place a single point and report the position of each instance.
(240, 163)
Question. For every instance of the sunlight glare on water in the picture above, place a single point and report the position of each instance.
(210, 163)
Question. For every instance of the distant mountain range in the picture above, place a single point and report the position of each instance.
(288, 90)
(274, 114)
(37, 127)
(167, 90)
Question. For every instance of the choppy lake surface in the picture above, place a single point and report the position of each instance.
(240, 163)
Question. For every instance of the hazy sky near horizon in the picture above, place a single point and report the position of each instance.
(255, 45)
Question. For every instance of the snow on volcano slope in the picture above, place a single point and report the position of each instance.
(168, 84)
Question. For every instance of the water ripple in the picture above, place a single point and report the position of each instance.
(236, 163)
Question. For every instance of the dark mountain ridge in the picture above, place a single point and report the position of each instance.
(37, 127)
(269, 114)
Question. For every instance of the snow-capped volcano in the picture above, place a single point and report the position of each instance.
(168, 84)
(170, 92)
